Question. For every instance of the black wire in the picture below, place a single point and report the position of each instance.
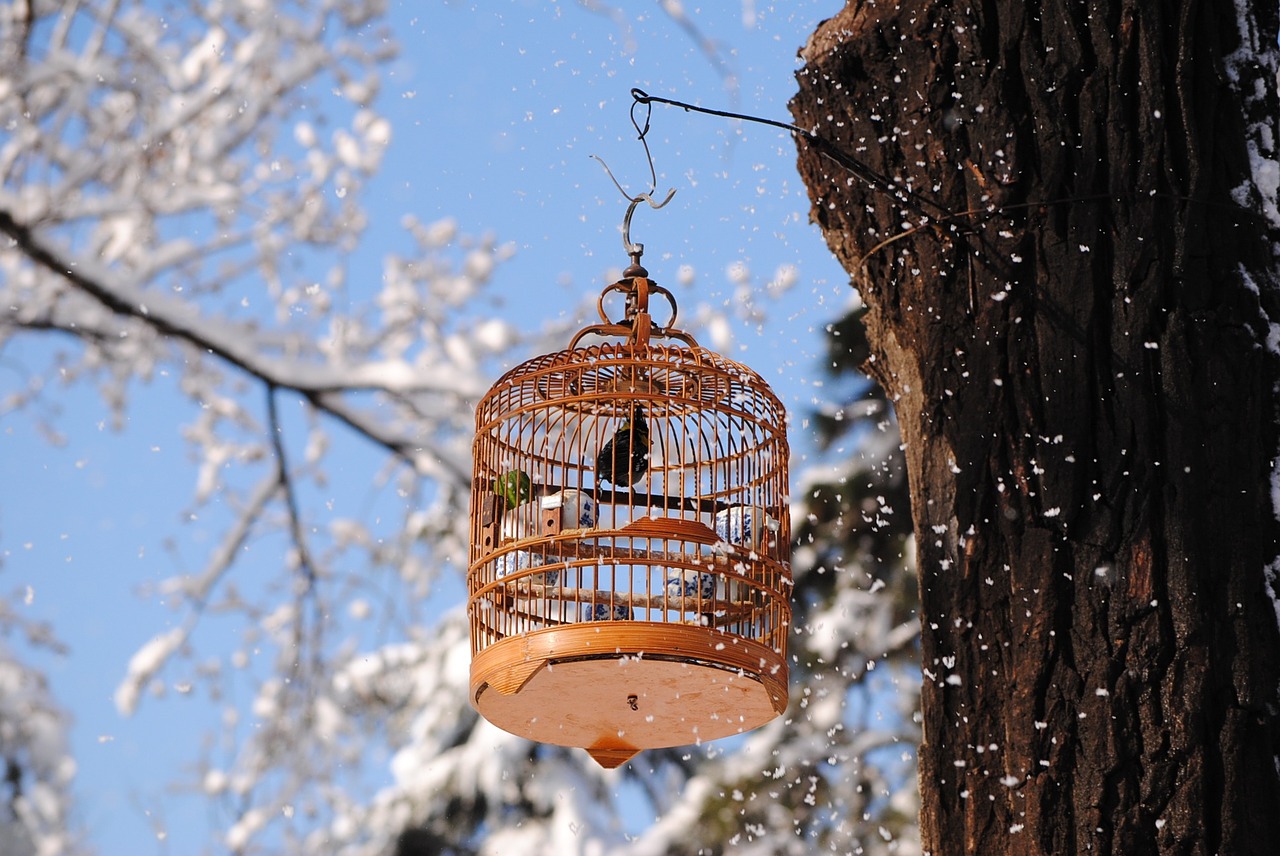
(653, 173)
(916, 202)
(909, 198)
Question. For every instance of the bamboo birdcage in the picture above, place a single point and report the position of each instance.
(648, 614)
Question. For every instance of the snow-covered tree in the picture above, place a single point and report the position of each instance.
(177, 203)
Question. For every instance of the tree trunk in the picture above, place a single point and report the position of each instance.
(1084, 365)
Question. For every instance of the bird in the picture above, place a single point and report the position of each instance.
(624, 459)
(514, 488)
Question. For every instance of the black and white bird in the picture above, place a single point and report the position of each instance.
(624, 459)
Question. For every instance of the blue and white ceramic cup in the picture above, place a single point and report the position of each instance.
(685, 583)
(745, 526)
(579, 509)
(603, 612)
(511, 563)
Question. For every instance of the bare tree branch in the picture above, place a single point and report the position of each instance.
(319, 385)
(274, 428)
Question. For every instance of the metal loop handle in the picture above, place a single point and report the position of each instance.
(640, 288)
(621, 331)
(635, 325)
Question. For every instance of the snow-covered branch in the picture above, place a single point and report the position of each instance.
(233, 342)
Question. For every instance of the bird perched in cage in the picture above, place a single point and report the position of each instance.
(624, 459)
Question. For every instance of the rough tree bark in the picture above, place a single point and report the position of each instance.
(1084, 369)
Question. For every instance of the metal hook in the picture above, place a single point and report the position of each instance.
(633, 250)
(637, 250)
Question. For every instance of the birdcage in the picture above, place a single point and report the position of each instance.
(629, 575)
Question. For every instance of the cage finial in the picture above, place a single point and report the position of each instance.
(634, 250)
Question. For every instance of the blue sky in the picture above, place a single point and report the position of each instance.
(496, 110)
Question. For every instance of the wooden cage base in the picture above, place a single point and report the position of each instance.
(615, 688)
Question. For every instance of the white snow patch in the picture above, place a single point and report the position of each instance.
(143, 665)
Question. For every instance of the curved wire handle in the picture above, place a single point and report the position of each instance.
(637, 250)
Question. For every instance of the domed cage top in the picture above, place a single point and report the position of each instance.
(629, 578)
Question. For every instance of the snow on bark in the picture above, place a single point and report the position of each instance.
(1254, 69)
(144, 665)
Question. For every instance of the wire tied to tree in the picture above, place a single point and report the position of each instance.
(917, 203)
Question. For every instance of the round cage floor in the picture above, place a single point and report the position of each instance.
(616, 688)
